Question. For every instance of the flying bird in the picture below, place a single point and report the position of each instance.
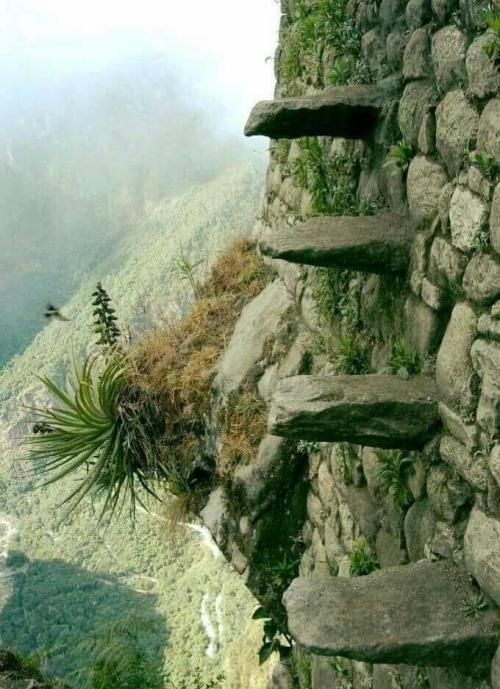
(52, 312)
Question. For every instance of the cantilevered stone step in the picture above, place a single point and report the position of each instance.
(411, 614)
(347, 111)
(376, 244)
(374, 410)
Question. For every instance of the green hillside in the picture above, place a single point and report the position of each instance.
(66, 577)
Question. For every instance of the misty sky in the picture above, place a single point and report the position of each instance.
(218, 47)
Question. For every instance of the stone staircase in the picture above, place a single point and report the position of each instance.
(376, 244)
(411, 614)
(346, 111)
(374, 410)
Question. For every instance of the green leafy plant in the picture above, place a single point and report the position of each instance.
(351, 356)
(330, 179)
(394, 471)
(482, 241)
(272, 641)
(492, 48)
(400, 154)
(403, 357)
(485, 162)
(103, 427)
(474, 605)
(197, 681)
(362, 560)
(187, 270)
(321, 23)
(346, 457)
(121, 658)
(105, 321)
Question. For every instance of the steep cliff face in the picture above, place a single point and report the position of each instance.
(376, 349)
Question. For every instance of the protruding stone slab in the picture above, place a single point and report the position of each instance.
(377, 244)
(346, 111)
(374, 410)
(412, 614)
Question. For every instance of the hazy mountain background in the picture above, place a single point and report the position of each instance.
(110, 177)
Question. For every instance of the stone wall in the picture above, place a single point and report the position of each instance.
(330, 503)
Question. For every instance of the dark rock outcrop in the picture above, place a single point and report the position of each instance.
(374, 410)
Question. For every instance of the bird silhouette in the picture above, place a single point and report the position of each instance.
(52, 312)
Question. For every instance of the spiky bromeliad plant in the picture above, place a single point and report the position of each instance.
(101, 425)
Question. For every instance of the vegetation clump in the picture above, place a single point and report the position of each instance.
(134, 420)
(394, 471)
(492, 49)
(322, 23)
(402, 357)
(361, 559)
(400, 154)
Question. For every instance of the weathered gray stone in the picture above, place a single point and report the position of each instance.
(467, 434)
(454, 370)
(411, 614)
(215, 515)
(468, 214)
(393, 187)
(326, 485)
(488, 138)
(376, 410)
(417, 55)
(258, 482)
(444, 678)
(345, 111)
(434, 296)
(394, 47)
(484, 79)
(494, 463)
(495, 220)
(482, 552)
(258, 322)
(486, 359)
(418, 97)
(388, 549)
(419, 528)
(290, 193)
(371, 470)
(472, 468)
(489, 326)
(456, 129)
(371, 243)
(281, 677)
(424, 183)
(323, 674)
(446, 264)
(441, 9)
(444, 205)
(449, 495)
(364, 509)
(423, 328)
(389, 11)
(478, 182)
(448, 57)
(418, 12)
(373, 50)
(482, 279)
(418, 259)
(427, 134)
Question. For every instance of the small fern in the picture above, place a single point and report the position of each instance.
(394, 471)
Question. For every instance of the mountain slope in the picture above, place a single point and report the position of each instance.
(64, 579)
